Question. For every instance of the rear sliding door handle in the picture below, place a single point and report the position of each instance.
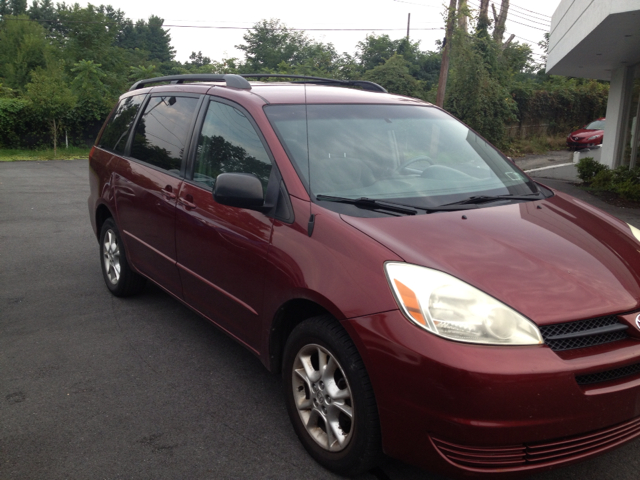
(187, 204)
(167, 192)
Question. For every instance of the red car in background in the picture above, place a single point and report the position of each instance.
(588, 136)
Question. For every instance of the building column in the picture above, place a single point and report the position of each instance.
(620, 90)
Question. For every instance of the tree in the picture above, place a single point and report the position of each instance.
(270, 45)
(483, 16)
(197, 60)
(375, 50)
(444, 66)
(24, 47)
(13, 7)
(43, 11)
(141, 72)
(93, 102)
(152, 38)
(395, 77)
(463, 14)
(500, 20)
(50, 97)
(479, 91)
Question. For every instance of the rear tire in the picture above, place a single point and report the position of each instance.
(329, 397)
(120, 279)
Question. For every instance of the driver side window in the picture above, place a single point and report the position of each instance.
(229, 143)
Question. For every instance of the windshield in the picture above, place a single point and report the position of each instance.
(416, 155)
(595, 125)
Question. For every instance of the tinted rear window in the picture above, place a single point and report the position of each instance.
(116, 132)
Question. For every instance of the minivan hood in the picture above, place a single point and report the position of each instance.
(553, 260)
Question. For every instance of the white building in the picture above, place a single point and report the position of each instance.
(601, 39)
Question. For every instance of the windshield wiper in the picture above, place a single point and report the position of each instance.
(492, 198)
(371, 204)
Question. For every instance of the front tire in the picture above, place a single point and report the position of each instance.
(329, 397)
(120, 279)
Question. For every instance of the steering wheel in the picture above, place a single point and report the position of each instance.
(421, 158)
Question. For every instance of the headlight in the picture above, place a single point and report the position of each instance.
(593, 137)
(635, 231)
(452, 309)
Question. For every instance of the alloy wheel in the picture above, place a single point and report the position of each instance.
(323, 397)
(111, 256)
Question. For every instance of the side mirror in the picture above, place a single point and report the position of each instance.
(242, 190)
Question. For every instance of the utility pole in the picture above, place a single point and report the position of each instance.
(408, 24)
(444, 65)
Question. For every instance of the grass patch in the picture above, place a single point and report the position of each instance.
(11, 155)
(518, 147)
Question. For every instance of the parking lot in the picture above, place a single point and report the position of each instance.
(93, 386)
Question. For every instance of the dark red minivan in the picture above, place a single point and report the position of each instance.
(420, 294)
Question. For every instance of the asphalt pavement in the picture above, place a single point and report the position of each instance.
(93, 386)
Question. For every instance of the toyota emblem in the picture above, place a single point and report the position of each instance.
(638, 322)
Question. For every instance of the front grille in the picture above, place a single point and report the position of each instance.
(608, 375)
(535, 455)
(583, 333)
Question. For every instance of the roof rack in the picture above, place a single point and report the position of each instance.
(373, 87)
(239, 81)
(234, 81)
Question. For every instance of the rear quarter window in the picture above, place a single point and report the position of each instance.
(161, 133)
(115, 134)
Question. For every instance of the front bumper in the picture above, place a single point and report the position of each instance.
(464, 409)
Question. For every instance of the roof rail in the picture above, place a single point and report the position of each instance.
(234, 81)
(373, 87)
(239, 81)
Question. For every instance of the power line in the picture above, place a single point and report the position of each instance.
(518, 16)
(308, 29)
(530, 26)
(525, 39)
(419, 4)
(166, 25)
(546, 24)
(530, 11)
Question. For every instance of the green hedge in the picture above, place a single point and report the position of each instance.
(564, 106)
(14, 119)
(622, 180)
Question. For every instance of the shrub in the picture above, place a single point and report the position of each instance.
(629, 190)
(623, 174)
(588, 168)
(12, 121)
(622, 180)
(602, 179)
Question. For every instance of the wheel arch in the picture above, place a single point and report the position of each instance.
(287, 317)
(101, 215)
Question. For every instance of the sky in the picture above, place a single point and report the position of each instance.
(190, 21)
